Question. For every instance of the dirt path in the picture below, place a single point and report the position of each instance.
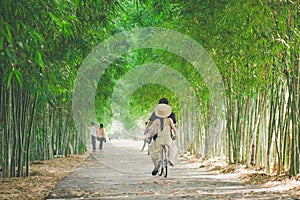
(121, 171)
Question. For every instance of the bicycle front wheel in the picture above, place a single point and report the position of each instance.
(165, 162)
(166, 171)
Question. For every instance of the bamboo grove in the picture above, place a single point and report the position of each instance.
(255, 45)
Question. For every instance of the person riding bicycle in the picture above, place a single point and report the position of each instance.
(154, 117)
(160, 131)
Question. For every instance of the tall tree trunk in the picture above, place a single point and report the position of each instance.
(29, 133)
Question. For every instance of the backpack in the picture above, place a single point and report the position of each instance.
(163, 136)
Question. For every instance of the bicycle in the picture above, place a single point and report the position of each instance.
(164, 161)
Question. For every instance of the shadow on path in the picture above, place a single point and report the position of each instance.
(121, 171)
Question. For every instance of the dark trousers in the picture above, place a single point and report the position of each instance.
(101, 143)
(94, 142)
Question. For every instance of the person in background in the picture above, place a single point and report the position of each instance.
(146, 138)
(93, 130)
(101, 136)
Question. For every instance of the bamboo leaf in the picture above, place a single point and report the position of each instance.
(8, 35)
(9, 78)
(11, 55)
(18, 76)
(21, 24)
(55, 19)
(39, 59)
(38, 36)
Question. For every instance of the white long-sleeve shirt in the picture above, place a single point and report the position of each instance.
(92, 131)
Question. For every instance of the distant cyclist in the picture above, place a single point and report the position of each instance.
(160, 131)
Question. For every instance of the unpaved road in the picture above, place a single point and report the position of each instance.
(121, 171)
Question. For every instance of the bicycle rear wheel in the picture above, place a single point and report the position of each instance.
(165, 162)
(161, 168)
(161, 162)
(166, 169)
(165, 165)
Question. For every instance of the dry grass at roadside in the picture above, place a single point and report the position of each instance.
(251, 175)
(44, 176)
(255, 176)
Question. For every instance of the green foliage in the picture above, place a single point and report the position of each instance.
(255, 45)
